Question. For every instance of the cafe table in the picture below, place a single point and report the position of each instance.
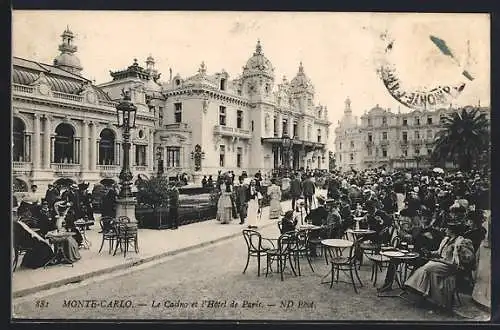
(401, 258)
(58, 239)
(337, 246)
(358, 233)
(81, 224)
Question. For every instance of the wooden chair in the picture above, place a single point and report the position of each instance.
(343, 263)
(301, 248)
(253, 240)
(126, 235)
(108, 232)
(286, 244)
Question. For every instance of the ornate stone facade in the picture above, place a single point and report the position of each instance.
(386, 138)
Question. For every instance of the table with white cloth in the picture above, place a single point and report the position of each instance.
(401, 258)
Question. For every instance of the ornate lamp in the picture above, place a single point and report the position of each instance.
(126, 113)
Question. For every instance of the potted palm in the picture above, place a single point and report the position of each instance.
(152, 203)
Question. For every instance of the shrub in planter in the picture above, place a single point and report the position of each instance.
(152, 203)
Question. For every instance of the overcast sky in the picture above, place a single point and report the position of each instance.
(338, 50)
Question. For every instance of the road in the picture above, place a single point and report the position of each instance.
(182, 286)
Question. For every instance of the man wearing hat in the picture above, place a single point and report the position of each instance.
(318, 215)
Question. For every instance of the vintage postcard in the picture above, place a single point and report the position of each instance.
(176, 165)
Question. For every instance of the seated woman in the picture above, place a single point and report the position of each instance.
(432, 281)
(289, 222)
(38, 250)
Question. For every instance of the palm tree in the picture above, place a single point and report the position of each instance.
(464, 137)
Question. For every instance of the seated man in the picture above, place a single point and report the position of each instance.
(318, 215)
(379, 221)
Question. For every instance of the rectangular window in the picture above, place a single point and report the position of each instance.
(140, 155)
(370, 151)
(295, 129)
(275, 126)
(405, 122)
(352, 144)
(340, 158)
(384, 135)
(417, 121)
(417, 151)
(429, 134)
(173, 157)
(405, 136)
(340, 146)
(239, 154)
(429, 120)
(417, 135)
(384, 153)
(319, 135)
(222, 115)
(405, 153)
(239, 119)
(285, 126)
(370, 138)
(384, 120)
(222, 156)
(429, 151)
(178, 112)
(160, 115)
(352, 157)
(369, 122)
(309, 128)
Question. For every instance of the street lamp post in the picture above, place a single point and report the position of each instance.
(160, 161)
(126, 114)
(286, 143)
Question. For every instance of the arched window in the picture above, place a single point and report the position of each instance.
(18, 141)
(64, 144)
(19, 185)
(107, 147)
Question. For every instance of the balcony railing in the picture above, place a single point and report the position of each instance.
(384, 142)
(21, 167)
(23, 88)
(66, 169)
(69, 97)
(140, 168)
(109, 171)
(107, 103)
(183, 126)
(232, 131)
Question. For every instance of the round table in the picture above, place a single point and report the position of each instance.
(58, 239)
(82, 227)
(401, 258)
(308, 227)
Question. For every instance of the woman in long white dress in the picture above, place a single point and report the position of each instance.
(253, 206)
(274, 193)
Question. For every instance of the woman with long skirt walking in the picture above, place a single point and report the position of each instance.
(253, 205)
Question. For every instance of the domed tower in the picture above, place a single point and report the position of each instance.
(258, 76)
(302, 90)
(67, 60)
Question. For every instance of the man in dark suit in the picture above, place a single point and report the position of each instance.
(319, 215)
(242, 196)
(51, 195)
(295, 190)
(308, 188)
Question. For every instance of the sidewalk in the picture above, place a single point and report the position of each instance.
(153, 244)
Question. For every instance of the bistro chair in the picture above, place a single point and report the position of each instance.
(379, 262)
(108, 232)
(301, 248)
(372, 248)
(284, 251)
(254, 239)
(346, 263)
(126, 235)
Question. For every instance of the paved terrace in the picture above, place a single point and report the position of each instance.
(153, 244)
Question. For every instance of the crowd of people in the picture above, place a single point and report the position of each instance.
(58, 210)
(440, 215)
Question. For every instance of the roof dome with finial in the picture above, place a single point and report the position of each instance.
(301, 83)
(67, 60)
(258, 63)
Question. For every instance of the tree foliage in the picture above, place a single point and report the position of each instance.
(464, 139)
(153, 192)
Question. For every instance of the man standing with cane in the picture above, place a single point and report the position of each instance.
(242, 197)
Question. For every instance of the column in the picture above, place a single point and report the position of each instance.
(279, 119)
(46, 143)
(85, 146)
(151, 146)
(27, 148)
(93, 147)
(36, 141)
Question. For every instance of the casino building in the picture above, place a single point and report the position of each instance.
(385, 138)
(63, 124)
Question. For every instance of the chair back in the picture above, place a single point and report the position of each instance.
(287, 242)
(253, 239)
(302, 240)
(106, 223)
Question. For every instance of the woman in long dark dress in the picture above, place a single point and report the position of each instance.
(38, 250)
